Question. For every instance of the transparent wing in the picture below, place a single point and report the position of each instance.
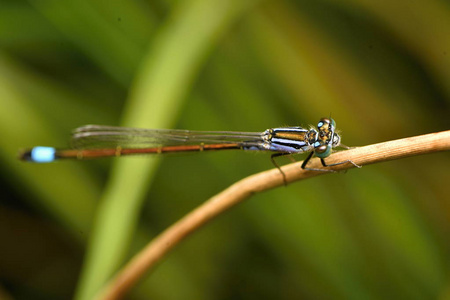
(98, 136)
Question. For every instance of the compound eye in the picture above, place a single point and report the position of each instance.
(333, 123)
(322, 122)
(323, 151)
(325, 120)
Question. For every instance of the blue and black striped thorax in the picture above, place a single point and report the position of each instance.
(298, 139)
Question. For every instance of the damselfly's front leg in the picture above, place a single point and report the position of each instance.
(322, 160)
(339, 163)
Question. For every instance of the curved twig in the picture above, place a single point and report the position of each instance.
(146, 260)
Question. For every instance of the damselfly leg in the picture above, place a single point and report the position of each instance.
(272, 158)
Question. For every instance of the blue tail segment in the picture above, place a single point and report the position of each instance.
(39, 155)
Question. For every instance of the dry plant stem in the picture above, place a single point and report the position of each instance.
(147, 259)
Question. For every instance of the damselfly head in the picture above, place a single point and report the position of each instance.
(326, 128)
(327, 138)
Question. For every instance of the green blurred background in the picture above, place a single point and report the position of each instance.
(380, 68)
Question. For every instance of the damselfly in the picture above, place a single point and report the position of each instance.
(95, 141)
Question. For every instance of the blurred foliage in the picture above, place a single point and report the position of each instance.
(380, 68)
